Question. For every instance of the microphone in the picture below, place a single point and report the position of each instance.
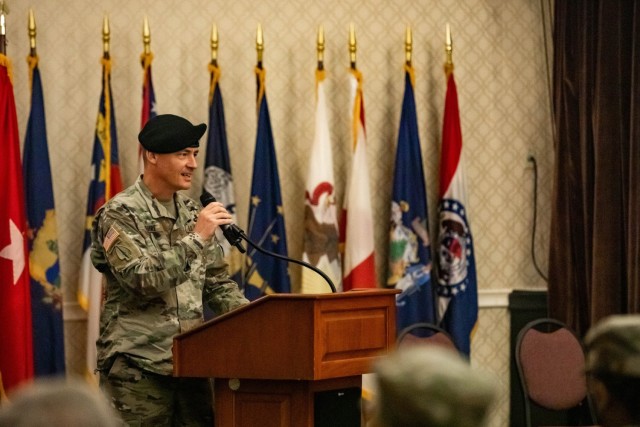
(233, 234)
(231, 231)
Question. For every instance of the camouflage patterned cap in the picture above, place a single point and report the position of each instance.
(613, 346)
(431, 386)
(168, 133)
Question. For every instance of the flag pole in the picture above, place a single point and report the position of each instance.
(146, 36)
(214, 45)
(352, 46)
(3, 28)
(32, 34)
(408, 46)
(106, 37)
(259, 45)
(32, 59)
(320, 48)
(448, 48)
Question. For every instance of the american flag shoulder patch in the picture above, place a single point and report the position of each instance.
(110, 238)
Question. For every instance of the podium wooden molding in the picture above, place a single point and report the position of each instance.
(271, 356)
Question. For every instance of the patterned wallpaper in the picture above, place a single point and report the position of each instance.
(500, 71)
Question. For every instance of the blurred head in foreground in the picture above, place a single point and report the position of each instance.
(613, 369)
(57, 403)
(430, 386)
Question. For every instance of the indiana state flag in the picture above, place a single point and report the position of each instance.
(217, 168)
(105, 183)
(457, 284)
(410, 246)
(44, 262)
(264, 274)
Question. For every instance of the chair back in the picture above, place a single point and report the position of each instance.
(551, 365)
(425, 333)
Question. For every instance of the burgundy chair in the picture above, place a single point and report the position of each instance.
(425, 333)
(551, 366)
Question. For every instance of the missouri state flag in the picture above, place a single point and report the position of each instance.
(320, 247)
(16, 343)
(457, 285)
(264, 274)
(409, 243)
(105, 183)
(356, 225)
(44, 264)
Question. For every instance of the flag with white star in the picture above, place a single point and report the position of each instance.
(264, 274)
(457, 285)
(16, 356)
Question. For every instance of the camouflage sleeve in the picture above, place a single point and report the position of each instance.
(119, 246)
(220, 292)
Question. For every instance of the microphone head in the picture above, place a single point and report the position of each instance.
(206, 198)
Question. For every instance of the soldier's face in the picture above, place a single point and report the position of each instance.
(177, 169)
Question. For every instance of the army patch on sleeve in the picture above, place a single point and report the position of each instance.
(110, 238)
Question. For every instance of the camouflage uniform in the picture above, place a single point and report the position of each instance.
(157, 274)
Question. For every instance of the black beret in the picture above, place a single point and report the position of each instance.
(167, 133)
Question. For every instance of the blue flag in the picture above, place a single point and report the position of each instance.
(409, 243)
(44, 262)
(217, 171)
(264, 274)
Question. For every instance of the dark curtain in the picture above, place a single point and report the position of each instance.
(594, 259)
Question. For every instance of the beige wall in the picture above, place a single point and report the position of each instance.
(499, 67)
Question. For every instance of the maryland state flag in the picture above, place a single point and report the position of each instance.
(457, 284)
(264, 274)
(44, 264)
(217, 168)
(105, 183)
(16, 342)
(356, 225)
(148, 99)
(320, 217)
(409, 243)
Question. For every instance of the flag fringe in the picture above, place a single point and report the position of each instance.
(6, 62)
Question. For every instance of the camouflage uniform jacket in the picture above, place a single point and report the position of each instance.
(157, 273)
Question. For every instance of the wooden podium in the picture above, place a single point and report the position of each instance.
(271, 357)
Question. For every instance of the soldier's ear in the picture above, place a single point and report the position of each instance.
(151, 157)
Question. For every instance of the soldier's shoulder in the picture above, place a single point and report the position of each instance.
(129, 198)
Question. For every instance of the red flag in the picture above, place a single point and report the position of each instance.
(16, 343)
(356, 225)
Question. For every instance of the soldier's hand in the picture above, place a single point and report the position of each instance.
(211, 217)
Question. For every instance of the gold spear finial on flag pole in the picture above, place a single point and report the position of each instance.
(352, 46)
(32, 33)
(408, 45)
(106, 36)
(259, 44)
(214, 44)
(320, 48)
(4, 10)
(448, 48)
(146, 36)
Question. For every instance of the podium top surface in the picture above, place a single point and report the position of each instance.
(292, 336)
